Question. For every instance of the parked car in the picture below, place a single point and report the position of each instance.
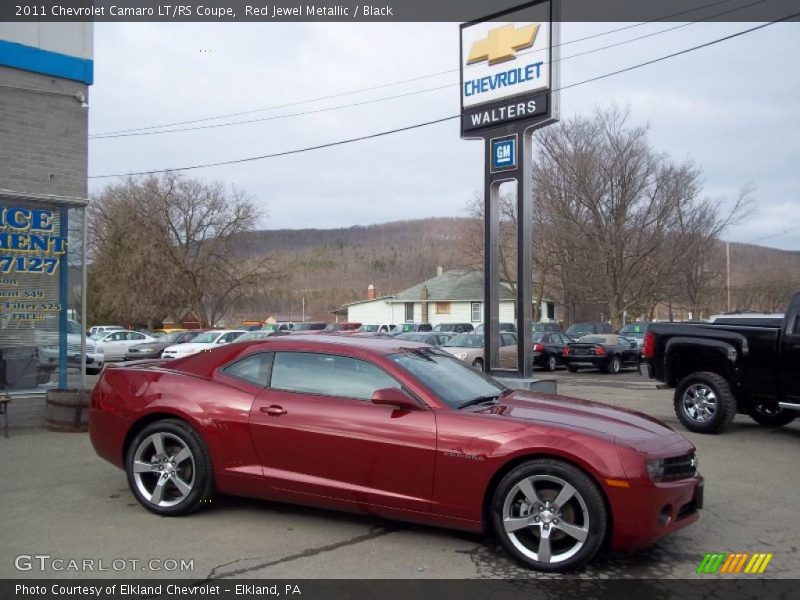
(746, 364)
(548, 349)
(98, 331)
(577, 330)
(342, 327)
(504, 327)
(277, 327)
(307, 326)
(546, 326)
(155, 348)
(382, 328)
(205, 341)
(608, 352)
(114, 344)
(454, 327)
(469, 348)
(259, 335)
(414, 327)
(47, 353)
(395, 430)
(635, 331)
(425, 337)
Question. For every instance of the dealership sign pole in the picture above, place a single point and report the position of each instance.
(509, 88)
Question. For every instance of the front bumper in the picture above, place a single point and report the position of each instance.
(129, 355)
(649, 511)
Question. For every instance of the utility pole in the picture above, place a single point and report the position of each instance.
(728, 278)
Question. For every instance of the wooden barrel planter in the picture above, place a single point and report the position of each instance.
(67, 411)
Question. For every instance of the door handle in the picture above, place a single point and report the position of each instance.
(274, 410)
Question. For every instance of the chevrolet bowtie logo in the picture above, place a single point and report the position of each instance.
(502, 43)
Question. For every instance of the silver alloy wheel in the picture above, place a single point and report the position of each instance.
(699, 402)
(163, 469)
(546, 518)
(551, 363)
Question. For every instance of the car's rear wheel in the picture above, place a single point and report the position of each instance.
(478, 364)
(704, 402)
(572, 368)
(549, 515)
(552, 363)
(169, 468)
(770, 414)
(614, 365)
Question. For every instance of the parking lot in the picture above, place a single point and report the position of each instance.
(60, 499)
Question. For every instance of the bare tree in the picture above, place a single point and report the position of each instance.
(175, 240)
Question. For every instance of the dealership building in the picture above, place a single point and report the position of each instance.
(45, 73)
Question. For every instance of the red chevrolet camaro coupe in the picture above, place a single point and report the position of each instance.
(400, 430)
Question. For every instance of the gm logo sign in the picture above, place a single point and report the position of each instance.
(504, 153)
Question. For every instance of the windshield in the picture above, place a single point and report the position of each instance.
(450, 379)
(633, 330)
(595, 339)
(579, 329)
(206, 338)
(253, 335)
(465, 340)
(171, 337)
(538, 337)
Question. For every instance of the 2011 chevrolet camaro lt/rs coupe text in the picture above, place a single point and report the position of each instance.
(399, 430)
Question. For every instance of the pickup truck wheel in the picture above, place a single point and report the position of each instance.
(704, 402)
(771, 415)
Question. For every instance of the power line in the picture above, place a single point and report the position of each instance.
(773, 235)
(443, 119)
(411, 79)
(412, 93)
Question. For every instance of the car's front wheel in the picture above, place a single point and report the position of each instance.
(549, 515)
(704, 402)
(169, 468)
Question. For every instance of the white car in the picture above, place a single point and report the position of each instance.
(99, 331)
(48, 354)
(205, 341)
(115, 344)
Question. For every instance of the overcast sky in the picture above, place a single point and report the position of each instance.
(732, 108)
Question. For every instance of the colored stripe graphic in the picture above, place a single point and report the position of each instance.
(734, 563)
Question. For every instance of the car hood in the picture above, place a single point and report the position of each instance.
(153, 345)
(629, 427)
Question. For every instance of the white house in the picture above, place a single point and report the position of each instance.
(450, 297)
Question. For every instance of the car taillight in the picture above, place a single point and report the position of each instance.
(649, 346)
(565, 351)
(600, 351)
(538, 347)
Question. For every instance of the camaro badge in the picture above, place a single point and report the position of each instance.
(502, 43)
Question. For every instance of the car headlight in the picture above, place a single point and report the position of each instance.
(655, 468)
(460, 355)
(146, 350)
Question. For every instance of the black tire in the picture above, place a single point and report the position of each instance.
(572, 368)
(478, 364)
(197, 469)
(770, 414)
(708, 417)
(552, 363)
(613, 366)
(584, 510)
(95, 371)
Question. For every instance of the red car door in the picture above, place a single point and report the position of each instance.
(316, 432)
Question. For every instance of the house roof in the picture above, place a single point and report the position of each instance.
(451, 286)
(386, 298)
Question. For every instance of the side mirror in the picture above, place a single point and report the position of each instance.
(394, 397)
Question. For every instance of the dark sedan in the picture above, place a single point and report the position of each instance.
(609, 352)
(548, 349)
(154, 349)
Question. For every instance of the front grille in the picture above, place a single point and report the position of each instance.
(680, 467)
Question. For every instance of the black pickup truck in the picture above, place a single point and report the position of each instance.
(737, 364)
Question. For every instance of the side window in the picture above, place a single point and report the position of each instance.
(118, 336)
(254, 368)
(797, 325)
(507, 339)
(328, 375)
(135, 336)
